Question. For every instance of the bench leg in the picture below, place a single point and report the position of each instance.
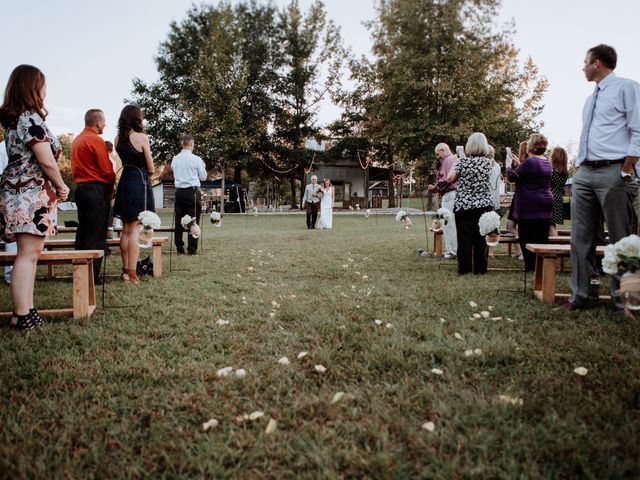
(50, 271)
(437, 244)
(82, 286)
(156, 258)
(549, 279)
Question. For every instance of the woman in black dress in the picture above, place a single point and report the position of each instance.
(558, 180)
(134, 193)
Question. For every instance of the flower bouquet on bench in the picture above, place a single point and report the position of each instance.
(623, 258)
(489, 225)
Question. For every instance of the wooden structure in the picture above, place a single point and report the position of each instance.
(83, 288)
(156, 250)
(544, 281)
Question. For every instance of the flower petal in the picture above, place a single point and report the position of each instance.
(302, 355)
(485, 314)
(472, 304)
(428, 426)
(337, 397)
(213, 423)
(581, 371)
(241, 373)
(320, 368)
(272, 426)
(436, 371)
(458, 336)
(223, 372)
(378, 322)
(283, 361)
(256, 415)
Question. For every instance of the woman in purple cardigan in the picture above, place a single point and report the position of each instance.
(533, 201)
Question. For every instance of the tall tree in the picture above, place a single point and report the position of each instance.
(442, 70)
(311, 57)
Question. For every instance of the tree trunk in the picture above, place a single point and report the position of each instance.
(222, 190)
(303, 184)
(392, 190)
(292, 182)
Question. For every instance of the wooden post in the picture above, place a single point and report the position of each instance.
(156, 258)
(437, 244)
(82, 278)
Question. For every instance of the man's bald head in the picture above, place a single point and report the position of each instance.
(94, 119)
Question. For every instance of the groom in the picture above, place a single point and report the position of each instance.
(311, 201)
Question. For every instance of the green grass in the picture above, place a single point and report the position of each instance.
(125, 392)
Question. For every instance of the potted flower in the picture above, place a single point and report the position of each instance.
(623, 257)
(402, 215)
(149, 221)
(442, 217)
(489, 225)
(189, 223)
(216, 219)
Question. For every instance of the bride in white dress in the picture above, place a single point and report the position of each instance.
(326, 204)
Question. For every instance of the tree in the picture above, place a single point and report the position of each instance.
(310, 60)
(440, 72)
(188, 60)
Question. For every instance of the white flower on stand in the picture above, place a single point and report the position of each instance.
(444, 214)
(189, 222)
(216, 218)
(489, 223)
(367, 212)
(402, 215)
(149, 221)
(624, 255)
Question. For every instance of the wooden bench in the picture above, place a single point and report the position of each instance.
(84, 294)
(544, 280)
(118, 230)
(156, 249)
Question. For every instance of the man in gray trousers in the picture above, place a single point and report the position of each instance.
(311, 201)
(605, 179)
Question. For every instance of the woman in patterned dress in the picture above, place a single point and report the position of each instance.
(30, 186)
(473, 198)
(558, 179)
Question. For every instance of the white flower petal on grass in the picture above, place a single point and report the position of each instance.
(472, 304)
(256, 415)
(250, 269)
(302, 355)
(477, 351)
(428, 426)
(458, 336)
(345, 266)
(581, 371)
(241, 373)
(509, 320)
(436, 371)
(378, 322)
(213, 423)
(272, 426)
(337, 397)
(468, 353)
(320, 368)
(365, 277)
(272, 314)
(222, 322)
(284, 361)
(485, 314)
(275, 304)
(442, 320)
(511, 400)
(490, 308)
(495, 319)
(224, 372)
(477, 316)
(389, 325)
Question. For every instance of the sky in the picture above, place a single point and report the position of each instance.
(90, 51)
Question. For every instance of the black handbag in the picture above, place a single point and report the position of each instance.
(144, 267)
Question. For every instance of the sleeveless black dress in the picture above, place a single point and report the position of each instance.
(134, 193)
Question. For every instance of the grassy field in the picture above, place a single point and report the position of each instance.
(124, 394)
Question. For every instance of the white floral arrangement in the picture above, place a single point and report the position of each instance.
(444, 214)
(149, 220)
(190, 224)
(216, 218)
(367, 212)
(489, 223)
(404, 216)
(255, 210)
(622, 256)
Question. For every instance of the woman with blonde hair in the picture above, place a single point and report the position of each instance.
(533, 202)
(30, 186)
(559, 160)
(473, 198)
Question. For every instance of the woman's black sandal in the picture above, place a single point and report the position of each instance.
(29, 321)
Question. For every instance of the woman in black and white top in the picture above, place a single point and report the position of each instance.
(473, 198)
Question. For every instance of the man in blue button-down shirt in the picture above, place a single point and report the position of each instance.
(605, 179)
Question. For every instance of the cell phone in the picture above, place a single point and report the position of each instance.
(507, 159)
(460, 151)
